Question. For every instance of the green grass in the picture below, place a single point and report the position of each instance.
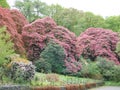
(58, 80)
(111, 83)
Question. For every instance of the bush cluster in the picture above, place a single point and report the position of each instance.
(54, 55)
(108, 69)
(99, 42)
(100, 69)
(42, 66)
(38, 34)
(20, 70)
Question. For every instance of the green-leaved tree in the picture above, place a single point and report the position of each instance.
(4, 4)
(6, 46)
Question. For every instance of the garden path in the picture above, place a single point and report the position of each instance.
(107, 88)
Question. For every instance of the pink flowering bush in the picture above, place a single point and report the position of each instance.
(37, 34)
(98, 42)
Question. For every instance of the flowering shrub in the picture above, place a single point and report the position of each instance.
(98, 42)
(38, 34)
(34, 36)
(20, 69)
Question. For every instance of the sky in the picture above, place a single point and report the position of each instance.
(99, 7)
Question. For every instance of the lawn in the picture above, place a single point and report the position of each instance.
(58, 80)
(111, 83)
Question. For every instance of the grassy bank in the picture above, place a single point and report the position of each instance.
(58, 80)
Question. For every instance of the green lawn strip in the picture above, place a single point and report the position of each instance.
(111, 83)
(41, 80)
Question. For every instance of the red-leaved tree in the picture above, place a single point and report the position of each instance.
(13, 20)
(98, 42)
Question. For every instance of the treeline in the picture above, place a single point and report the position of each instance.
(75, 20)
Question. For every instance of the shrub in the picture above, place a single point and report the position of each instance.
(20, 70)
(98, 42)
(106, 67)
(42, 66)
(91, 70)
(116, 73)
(39, 33)
(54, 54)
(118, 50)
(112, 74)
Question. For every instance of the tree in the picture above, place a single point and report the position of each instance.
(88, 20)
(55, 11)
(4, 4)
(75, 20)
(6, 46)
(67, 18)
(31, 9)
(113, 22)
(26, 7)
(14, 21)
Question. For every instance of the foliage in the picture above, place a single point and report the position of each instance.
(42, 66)
(66, 17)
(31, 9)
(106, 68)
(20, 70)
(6, 46)
(35, 36)
(91, 20)
(89, 70)
(58, 80)
(117, 50)
(78, 21)
(98, 42)
(14, 21)
(54, 54)
(4, 4)
(38, 34)
(116, 74)
(73, 19)
(52, 77)
(112, 83)
(113, 23)
(18, 19)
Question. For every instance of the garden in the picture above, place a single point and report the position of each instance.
(45, 54)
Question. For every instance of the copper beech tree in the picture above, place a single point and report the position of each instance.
(14, 21)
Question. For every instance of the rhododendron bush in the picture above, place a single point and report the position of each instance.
(40, 32)
(98, 42)
(13, 20)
